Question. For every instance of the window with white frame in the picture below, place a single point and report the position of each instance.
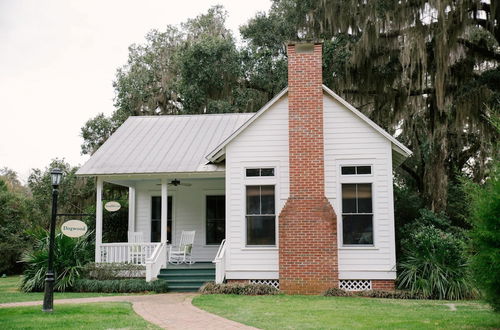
(356, 170)
(259, 172)
(357, 214)
(260, 215)
(215, 218)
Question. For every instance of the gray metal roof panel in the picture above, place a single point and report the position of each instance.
(162, 144)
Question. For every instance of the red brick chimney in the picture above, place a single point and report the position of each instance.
(308, 261)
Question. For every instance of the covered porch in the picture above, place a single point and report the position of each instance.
(160, 209)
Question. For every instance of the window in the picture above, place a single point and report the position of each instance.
(156, 219)
(357, 214)
(216, 219)
(356, 170)
(260, 215)
(252, 172)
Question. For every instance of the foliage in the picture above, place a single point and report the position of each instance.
(428, 70)
(188, 69)
(397, 294)
(111, 271)
(70, 257)
(119, 286)
(95, 131)
(14, 219)
(485, 236)
(434, 261)
(336, 292)
(239, 289)
(75, 193)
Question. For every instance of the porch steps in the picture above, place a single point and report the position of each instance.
(187, 278)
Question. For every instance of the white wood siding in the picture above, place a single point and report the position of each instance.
(262, 144)
(188, 211)
(350, 141)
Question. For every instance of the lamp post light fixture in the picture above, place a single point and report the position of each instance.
(48, 298)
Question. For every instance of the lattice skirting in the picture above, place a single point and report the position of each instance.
(355, 285)
(275, 283)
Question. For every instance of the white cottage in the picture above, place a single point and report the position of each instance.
(298, 194)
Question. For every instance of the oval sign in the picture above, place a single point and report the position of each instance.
(74, 228)
(112, 206)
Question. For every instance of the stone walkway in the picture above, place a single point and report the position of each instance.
(169, 311)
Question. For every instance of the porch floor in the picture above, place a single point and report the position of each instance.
(184, 278)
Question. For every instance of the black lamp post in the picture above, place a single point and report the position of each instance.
(48, 299)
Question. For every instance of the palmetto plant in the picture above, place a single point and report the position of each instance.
(434, 264)
(71, 255)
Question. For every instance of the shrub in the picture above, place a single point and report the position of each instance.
(112, 271)
(399, 294)
(239, 289)
(434, 263)
(336, 292)
(485, 236)
(70, 256)
(119, 286)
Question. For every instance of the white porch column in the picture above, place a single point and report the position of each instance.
(164, 210)
(98, 220)
(131, 208)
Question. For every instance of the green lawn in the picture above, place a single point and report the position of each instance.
(9, 292)
(317, 312)
(81, 316)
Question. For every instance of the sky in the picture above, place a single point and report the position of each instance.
(58, 60)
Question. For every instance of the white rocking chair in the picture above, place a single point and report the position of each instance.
(184, 252)
(136, 255)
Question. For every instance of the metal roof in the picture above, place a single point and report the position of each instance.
(163, 144)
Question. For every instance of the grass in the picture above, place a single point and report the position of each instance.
(317, 312)
(80, 316)
(9, 292)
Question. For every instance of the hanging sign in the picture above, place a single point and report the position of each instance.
(112, 206)
(74, 228)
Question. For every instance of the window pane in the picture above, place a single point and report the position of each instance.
(261, 230)
(363, 170)
(349, 198)
(215, 217)
(156, 207)
(253, 199)
(211, 210)
(267, 171)
(156, 219)
(364, 198)
(267, 199)
(253, 172)
(155, 230)
(357, 229)
(348, 170)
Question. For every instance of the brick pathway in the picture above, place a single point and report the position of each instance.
(169, 311)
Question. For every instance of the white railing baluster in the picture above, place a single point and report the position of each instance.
(136, 253)
(220, 263)
(156, 262)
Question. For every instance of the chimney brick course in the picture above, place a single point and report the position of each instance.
(308, 256)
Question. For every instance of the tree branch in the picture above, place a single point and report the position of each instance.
(480, 50)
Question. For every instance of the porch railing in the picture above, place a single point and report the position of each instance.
(156, 262)
(134, 253)
(220, 263)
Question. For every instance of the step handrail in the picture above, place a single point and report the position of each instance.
(156, 262)
(220, 263)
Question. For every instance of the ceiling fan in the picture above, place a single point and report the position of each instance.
(176, 182)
